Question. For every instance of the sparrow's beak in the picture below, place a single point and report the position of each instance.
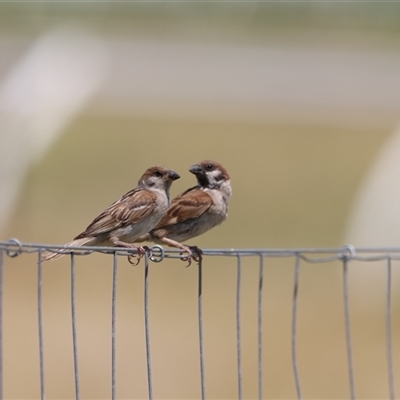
(173, 176)
(196, 169)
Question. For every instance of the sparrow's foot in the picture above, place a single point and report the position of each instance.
(142, 250)
(197, 253)
(193, 254)
(187, 258)
(189, 255)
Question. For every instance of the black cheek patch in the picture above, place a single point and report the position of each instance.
(203, 181)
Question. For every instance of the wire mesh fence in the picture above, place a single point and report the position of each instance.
(347, 256)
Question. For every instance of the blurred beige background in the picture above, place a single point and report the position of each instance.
(296, 100)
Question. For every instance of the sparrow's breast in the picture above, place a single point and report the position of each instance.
(130, 233)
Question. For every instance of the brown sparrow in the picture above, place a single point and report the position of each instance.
(195, 211)
(133, 215)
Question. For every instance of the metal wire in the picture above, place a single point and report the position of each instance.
(1, 320)
(113, 322)
(347, 327)
(74, 336)
(260, 327)
(238, 328)
(201, 339)
(14, 248)
(40, 325)
(389, 329)
(294, 328)
(146, 322)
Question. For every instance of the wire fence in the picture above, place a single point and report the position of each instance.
(346, 255)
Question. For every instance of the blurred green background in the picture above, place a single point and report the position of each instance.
(294, 99)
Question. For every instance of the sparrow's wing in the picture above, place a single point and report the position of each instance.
(131, 208)
(190, 204)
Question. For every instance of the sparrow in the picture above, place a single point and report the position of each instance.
(133, 215)
(195, 211)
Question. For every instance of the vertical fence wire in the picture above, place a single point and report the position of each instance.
(294, 327)
(389, 329)
(347, 327)
(201, 339)
(74, 336)
(113, 323)
(146, 321)
(1, 320)
(238, 329)
(40, 325)
(260, 327)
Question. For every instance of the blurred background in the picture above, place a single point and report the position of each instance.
(299, 101)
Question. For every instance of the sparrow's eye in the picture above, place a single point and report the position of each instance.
(209, 167)
(158, 174)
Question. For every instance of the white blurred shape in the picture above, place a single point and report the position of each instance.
(375, 222)
(40, 96)
(375, 219)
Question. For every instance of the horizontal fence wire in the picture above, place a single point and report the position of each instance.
(346, 255)
(14, 247)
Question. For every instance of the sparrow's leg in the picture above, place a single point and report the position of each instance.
(142, 250)
(181, 246)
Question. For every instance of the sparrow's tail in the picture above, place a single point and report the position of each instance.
(77, 242)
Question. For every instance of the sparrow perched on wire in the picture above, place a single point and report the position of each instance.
(195, 211)
(133, 215)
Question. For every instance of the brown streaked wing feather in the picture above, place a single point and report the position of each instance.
(131, 208)
(190, 204)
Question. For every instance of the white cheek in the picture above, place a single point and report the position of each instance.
(214, 173)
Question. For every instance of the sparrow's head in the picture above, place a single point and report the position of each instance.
(158, 178)
(210, 174)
